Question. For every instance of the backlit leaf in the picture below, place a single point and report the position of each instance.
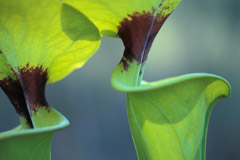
(32, 36)
(31, 144)
(37, 49)
(168, 118)
(11, 86)
(136, 22)
(41, 42)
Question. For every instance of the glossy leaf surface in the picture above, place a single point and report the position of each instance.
(40, 42)
(169, 118)
(11, 86)
(31, 144)
(31, 36)
(107, 14)
(135, 22)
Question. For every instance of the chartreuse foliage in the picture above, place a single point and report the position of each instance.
(9, 84)
(136, 22)
(168, 118)
(32, 144)
(39, 46)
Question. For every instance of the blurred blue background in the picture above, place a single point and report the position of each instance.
(200, 36)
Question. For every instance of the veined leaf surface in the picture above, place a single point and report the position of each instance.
(11, 86)
(39, 45)
(107, 14)
(168, 118)
(32, 36)
(36, 48)
(136, 22)
(31, 144)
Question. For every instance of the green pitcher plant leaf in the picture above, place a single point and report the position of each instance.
(38, 51)
(168, 118)
(31, 144)
(13, 89)
(31, 36)
(135, 22)
(41, 42)
(107, 14)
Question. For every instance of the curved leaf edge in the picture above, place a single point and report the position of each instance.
(19, 131)
(208, 114)
(147, 86)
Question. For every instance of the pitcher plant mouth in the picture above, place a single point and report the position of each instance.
(168, 118)
(39, 44)
(44, 41)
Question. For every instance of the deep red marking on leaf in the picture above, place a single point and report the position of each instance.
(137, 32)
(125, 64)
(155, 29)
(34, 80)
(14, 91)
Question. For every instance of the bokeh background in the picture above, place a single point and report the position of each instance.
(200, 36)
